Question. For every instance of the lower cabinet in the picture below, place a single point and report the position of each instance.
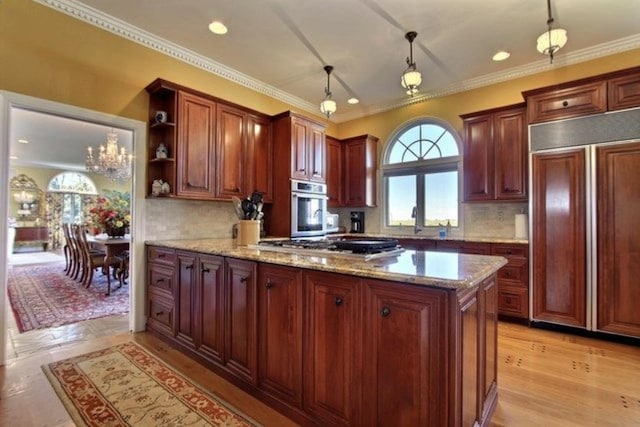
(332, 349)
(280, 332)
(404, 365)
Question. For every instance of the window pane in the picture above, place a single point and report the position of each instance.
(401, 198)
(441, 198)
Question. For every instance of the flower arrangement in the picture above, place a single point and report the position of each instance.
(111, 212)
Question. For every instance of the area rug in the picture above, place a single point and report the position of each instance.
(42, 296)
(125, 385)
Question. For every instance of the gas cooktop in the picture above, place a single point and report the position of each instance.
(364, 249)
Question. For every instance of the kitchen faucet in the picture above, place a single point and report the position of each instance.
(414, 215)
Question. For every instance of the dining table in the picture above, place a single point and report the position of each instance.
(112, 247)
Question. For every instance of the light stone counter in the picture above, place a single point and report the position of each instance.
(437, 269)
(487, 239)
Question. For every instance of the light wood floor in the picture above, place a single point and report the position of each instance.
(545, 379)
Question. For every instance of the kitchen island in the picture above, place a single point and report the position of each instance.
(404, 340)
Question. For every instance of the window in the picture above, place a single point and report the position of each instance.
(420, 171)
(75, 191)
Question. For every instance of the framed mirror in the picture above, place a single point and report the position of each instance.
(27, 197)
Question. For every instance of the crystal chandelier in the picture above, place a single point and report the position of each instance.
(411, 78)
(112, 162)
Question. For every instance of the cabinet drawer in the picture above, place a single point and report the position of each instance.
(624, 92)
(161, 255)
(510, 250)
(514, 273)
(477, 248)
(513, 301)
(590, 98)
(161, 314)
(161, 278)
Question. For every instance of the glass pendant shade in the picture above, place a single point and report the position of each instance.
(328, 106)
(411, 78)
(552, 41)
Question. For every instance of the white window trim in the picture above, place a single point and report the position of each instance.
(398, 167)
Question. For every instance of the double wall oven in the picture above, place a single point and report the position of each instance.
(308, 208)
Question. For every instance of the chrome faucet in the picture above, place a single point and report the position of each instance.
(414, 215)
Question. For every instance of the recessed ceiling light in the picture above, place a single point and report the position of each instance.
(353, 100)
(501, 55)
(13, 157)
(217, 27)
(23, 141)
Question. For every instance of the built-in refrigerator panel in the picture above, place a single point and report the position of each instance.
(562, 156)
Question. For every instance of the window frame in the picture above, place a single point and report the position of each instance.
(419, 169)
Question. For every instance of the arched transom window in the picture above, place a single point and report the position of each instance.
(420, 170)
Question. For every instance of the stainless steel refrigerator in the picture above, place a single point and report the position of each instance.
(585, 222)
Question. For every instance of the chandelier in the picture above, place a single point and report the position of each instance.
(411, 78)
(553, 39)
(328, 105)
(112, 162)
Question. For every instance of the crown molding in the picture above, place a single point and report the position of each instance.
(123, 29)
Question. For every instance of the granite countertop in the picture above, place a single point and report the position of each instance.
(486, 239)
(436, 269)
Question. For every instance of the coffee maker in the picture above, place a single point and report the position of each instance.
(357, 222)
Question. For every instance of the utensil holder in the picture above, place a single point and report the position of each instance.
(248, 232)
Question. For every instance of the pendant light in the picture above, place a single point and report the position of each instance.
(553, 39)
(411, 78)
(328, 105)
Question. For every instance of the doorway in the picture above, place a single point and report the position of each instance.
(10, 103)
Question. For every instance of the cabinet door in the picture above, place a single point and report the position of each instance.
(478, 152)
(196, 147)
(241, 327)
(331, 348)
(510, 144)
(559, 237)
(556, 104)
(260, 155)
(354, 186)
(299, 149)
(403, 372)
(280, 333)
(317, 160)
(210, 308)
(231, 161)
(618, 192)
(334, 172)
(187, 299)
(624, 92)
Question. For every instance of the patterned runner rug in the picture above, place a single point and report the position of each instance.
(42, 296)
(125, 385)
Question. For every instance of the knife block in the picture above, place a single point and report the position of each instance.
(248, 232)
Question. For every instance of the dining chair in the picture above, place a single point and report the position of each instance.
(92, 259)
(66, 230)
(75, 267)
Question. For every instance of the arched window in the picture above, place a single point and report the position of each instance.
(70, 192)
(420, 170)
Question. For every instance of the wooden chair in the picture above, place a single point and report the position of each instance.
(92, 259)
(122, 270)
(75, 266)
(66, 230)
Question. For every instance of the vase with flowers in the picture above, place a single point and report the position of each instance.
(111, 213)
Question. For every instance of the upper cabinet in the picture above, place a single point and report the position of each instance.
(598, 94)
(215, 149)
(351, 171)
(495, 155)
(301, 142)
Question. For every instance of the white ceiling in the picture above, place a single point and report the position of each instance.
(279, 47)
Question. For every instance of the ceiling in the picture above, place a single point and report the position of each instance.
(279, 47)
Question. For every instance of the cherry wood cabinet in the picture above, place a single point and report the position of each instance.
(513, 280)
(403, 372)
(241, 327)
(618, 190)
(196, 147)
(360, 154)
(161, 290)
(559, 235)
(280, 332)
(332, 348)
(464, 247)
(217, 149)
(300, 142)
(335, 173)
(597, 94)
(624, 91)
(230, 152)
(495, 155)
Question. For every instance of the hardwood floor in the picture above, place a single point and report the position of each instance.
(545, 379)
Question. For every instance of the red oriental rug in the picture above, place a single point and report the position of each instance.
(42, 296)
(125, 385)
